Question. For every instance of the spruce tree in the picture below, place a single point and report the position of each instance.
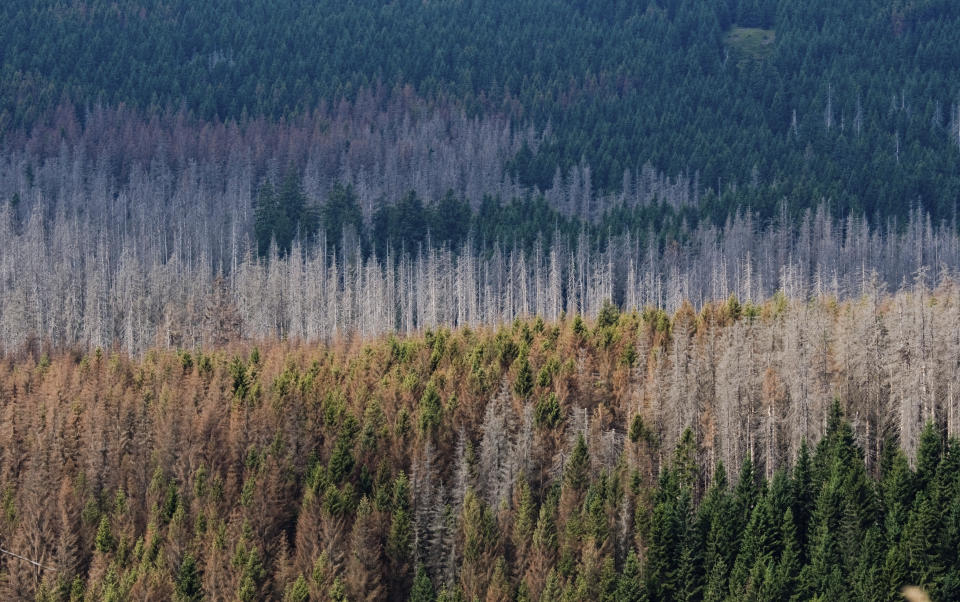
(553, 589)
(298, 591)
(293, 203)
(252, 575)
(868, 577)
(576, 474)
(756, 549)
(524, 522)
(685, 461)
(480, 538)
(690, 572)
(894, 571)
(523, 384)
(745, 496)
(422, 590)
(430, 411)
(928, 455)
(668, 526)
(104, 541)
(189, 586)
(948, 500)
(630, 584)
(804, 497)
(897, 488)
(716, 524)
(824, 549)
(400, 536)
(788, 566)
(716, 589)
(920, 542)
(269, 219)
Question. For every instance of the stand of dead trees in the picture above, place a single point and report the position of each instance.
(131, 233)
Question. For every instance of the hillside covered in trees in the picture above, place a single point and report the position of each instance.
(453, 300)
(739, 452)
(480, 162)
(756, 101)
(474, 165)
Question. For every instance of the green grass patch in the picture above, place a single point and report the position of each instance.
(750, 42)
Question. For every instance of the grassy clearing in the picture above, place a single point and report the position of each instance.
(750, 42)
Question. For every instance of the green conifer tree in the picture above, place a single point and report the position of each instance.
(630, 584)
(756, 549)
(804, 497)
(894, 571)
(668, 525)
(298, 591)
(553, 589)
(104, 541)
(523, 384)
(422, 590)
(788, 567)
(252, 576)
(717, 586)
(430, 411)
(188, 586)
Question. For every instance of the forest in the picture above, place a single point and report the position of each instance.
(538, 300)
(855, 102)
(138, 234)
(770, 451)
